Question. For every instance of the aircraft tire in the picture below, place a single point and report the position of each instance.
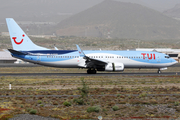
(88, 72)
(94, 71)
(159, 71)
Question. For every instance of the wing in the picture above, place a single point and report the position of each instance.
(90, 62)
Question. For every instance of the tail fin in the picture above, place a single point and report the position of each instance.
(20, 41)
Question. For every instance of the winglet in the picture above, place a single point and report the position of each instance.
(81, 53)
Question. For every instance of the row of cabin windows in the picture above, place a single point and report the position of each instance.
(114, 57)
(62, 56)
(94, 57)
(133, 57)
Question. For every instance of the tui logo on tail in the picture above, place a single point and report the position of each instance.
(18, 43)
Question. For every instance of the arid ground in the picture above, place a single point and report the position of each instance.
(72, 97)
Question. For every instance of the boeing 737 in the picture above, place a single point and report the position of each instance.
(93, 61)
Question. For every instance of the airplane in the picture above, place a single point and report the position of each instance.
(93, 61)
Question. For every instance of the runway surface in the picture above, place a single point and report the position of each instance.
(82, 74)
(18, 65)
(36, 65)
(110, 95)
(85, 74)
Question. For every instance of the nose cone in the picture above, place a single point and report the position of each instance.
(173, 61)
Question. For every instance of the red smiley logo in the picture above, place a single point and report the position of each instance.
(18, 43)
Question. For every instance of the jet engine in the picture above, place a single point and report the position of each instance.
(114, 67)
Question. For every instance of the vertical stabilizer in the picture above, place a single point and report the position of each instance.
(20, 41)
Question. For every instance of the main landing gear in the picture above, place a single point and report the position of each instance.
(91, 71)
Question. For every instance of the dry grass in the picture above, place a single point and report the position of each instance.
(136, 97)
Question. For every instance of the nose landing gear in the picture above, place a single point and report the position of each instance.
(159, 71)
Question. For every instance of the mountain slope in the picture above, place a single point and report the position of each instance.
(122, 20)
(42, 10)
(174, 12)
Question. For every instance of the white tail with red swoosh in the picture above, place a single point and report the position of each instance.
(20, 41)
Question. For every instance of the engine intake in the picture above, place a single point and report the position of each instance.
(114, 67)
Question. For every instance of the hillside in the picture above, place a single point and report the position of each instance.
(121, 20)
(174, 12)
(26, 10)
(42, 10)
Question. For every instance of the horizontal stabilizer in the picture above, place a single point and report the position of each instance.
(16, 52)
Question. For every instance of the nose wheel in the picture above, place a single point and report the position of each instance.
(159, 71)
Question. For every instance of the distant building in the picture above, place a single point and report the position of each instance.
(4, 33)
(43, 36)
(5, 57)
(36, 36)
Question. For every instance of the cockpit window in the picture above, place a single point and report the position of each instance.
(166, 56)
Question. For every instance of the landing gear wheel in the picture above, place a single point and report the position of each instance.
(89, 71)
(159, 72)
(94, 72)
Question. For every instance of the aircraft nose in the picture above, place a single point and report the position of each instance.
(174, 61)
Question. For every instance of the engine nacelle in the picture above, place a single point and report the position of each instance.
(114, 67)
